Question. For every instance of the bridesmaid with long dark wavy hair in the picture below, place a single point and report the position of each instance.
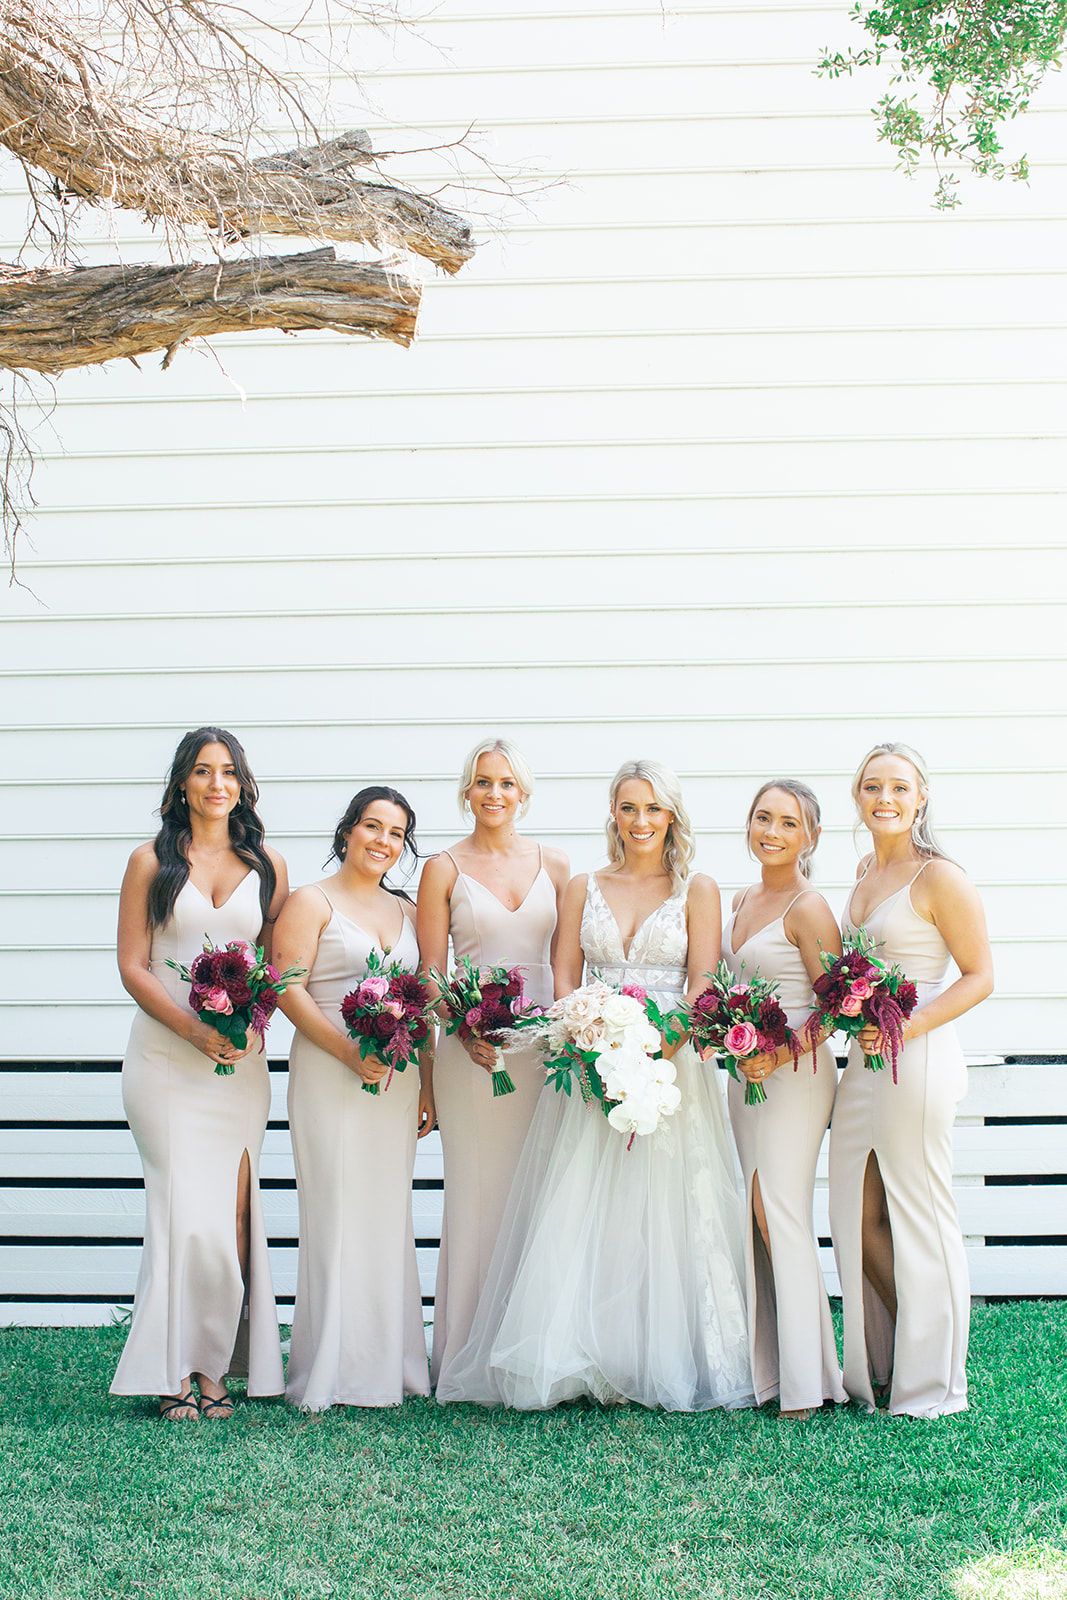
(204, 1306)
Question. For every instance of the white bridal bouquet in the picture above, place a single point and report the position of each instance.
(608, 1041)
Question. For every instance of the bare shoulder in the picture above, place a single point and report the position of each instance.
(557, 864)
(942, 880)
(702, 890)
(810, 913)
(439, 873)
(863, 863)
(576, 888)
(277, 860)
(143, 864)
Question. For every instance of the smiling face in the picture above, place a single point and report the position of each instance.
(641, 820)
(212, 788)
(777, 831)
(375, 842)
(494, 795)
(890, 795)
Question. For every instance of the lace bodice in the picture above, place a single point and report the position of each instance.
(658, 951)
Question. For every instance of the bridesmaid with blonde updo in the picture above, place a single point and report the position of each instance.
(495, 895)
(779, 926)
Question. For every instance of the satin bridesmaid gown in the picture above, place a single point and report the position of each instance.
(482, 1135)
(907, 1125)
(192, 1127)
(791, 1333)
(357, 1327)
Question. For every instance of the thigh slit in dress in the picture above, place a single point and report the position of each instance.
(192, 1127)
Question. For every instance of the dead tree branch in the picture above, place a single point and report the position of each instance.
(58, 115)
(53, 319)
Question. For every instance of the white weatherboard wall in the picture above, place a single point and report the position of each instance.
(727, 449)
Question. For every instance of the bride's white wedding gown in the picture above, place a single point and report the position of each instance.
(618, 1272)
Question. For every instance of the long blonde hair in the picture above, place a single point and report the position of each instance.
(678, 846)
(922, 836)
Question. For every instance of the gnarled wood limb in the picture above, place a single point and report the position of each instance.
(59, 115)
(52, 319)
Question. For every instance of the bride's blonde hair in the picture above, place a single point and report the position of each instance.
(678, 847)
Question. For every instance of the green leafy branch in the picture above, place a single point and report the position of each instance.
(983, 60)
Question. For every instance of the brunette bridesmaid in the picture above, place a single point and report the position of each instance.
(204, 1306)
(900, 1254)
(495, 894)
(779, 926)
(357, 1327)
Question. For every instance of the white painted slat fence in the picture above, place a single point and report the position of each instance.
(93, 1270)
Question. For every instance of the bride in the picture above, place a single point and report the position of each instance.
(618, 1270)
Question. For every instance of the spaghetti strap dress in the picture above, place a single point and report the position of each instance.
(357, 1325)
(791, 1333)
(482, 1135)
(618, 1271)
(192, 1127)
(907, 1125)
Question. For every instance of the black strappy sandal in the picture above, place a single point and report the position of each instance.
(222, 1404)
(184, 1402)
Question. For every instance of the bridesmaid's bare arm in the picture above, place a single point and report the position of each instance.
(433, 914)
(703, 915)
(568, 961)
(134, 950)
(277, 901)
(559, 870)
(296, 942)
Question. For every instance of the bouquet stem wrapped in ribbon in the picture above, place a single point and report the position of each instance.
(235, 991)
(737, 1020)
(858, 991)
(608, 1041)
(389, 1013)
(485, 1004)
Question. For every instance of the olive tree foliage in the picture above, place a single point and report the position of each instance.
(171, 109)
(974, 65)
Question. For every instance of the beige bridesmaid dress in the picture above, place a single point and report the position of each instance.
(482, 1135)
(791, 1334)
(907, 1125)
(192, 1126)
(357, 1326)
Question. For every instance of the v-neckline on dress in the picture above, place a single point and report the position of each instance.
(885, 902)
(376, 943)
(207, 898)
(512, 911)
(626, 949)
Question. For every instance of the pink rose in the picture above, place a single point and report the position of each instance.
(860, 989)
(393, 1008)
(219, 1001)
(741, 1039)
(371, 990)
(635, 992)
(851, 1006)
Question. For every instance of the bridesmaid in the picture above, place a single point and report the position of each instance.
(496, 894)
(779, 926)
(900, 1255)
(357, 1328)
(205, 1277)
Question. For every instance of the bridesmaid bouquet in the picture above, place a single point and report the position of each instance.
(389, 1014)
(607, 1040)
(235, 991)
(858, 991)
(737, 1020)
(485, 1004)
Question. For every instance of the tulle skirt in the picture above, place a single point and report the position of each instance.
(617, 1272)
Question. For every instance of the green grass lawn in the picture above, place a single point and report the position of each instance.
(100, 1499)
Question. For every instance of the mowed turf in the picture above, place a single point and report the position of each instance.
(101, 1499)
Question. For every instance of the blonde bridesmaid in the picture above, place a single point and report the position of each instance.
(900, 1255)
(495, 894)
(779, 926)
(357, 1326)
(204, 1306)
